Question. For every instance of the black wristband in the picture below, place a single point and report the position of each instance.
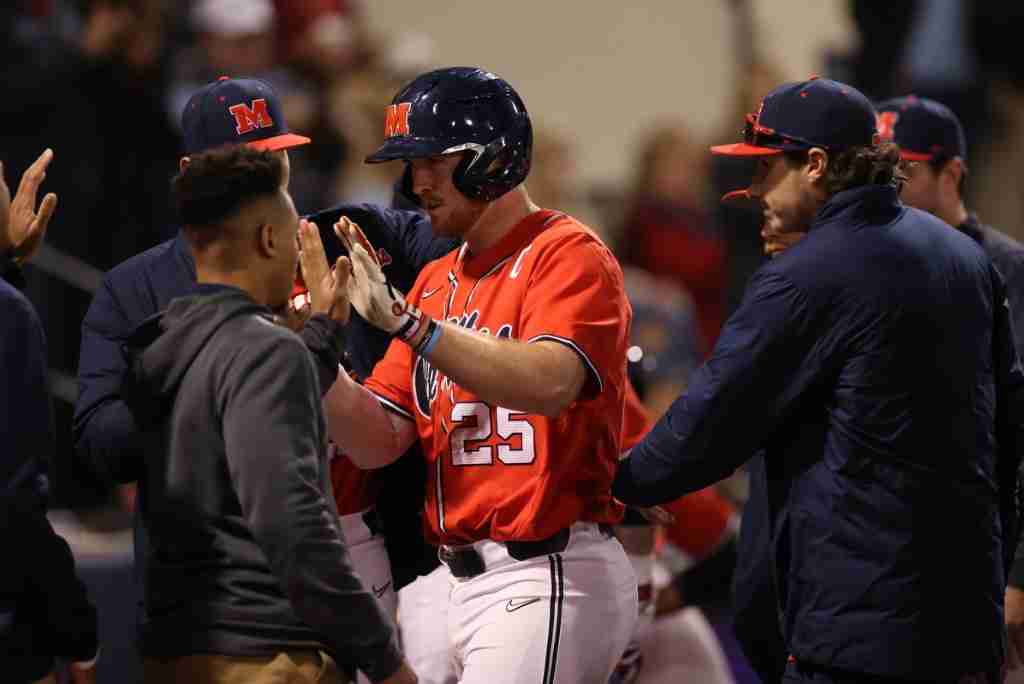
(325, 339)
(431, 324)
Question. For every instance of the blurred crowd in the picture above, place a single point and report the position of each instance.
(103, 82)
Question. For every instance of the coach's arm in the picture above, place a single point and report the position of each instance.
(105, 434)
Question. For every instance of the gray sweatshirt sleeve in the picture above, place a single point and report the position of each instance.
(275, 442)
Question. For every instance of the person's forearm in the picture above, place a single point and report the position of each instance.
(108, 441)
(532, 378)
(667, 464)
(68, 613)
(361, 426)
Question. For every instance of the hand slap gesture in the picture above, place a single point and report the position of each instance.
(328, 289)
(26, 227)
(373, 297)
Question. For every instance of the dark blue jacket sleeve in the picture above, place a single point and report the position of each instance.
(44, 608)
(405, 237)
(26, 419)
(1009, 377)
(761, 364)
(105, 434)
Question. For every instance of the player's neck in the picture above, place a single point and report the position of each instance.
(500, 216)
(954, 214)
(255, 287)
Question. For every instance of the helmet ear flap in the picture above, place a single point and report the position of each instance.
(473, 177)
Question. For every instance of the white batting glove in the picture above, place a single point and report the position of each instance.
(381, 305)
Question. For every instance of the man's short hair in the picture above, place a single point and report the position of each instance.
(214, 185)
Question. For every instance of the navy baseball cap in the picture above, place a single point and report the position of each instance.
(798, 116)
(922, 128)
(233, 111)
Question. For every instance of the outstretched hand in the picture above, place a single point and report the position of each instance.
(328, 288)
(380, 304)
(26, 227)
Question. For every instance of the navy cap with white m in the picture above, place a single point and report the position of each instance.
(798, 116)
(232, 111)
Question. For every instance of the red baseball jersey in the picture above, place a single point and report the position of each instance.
(501, 474)
(355, 489)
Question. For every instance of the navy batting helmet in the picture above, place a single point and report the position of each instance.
(462, 109)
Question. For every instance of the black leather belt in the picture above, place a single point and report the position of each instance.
(465, 561)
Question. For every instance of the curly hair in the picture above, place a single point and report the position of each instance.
(214, 185)
(857, 166)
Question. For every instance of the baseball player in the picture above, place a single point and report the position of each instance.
(509, 367)
(702, 524)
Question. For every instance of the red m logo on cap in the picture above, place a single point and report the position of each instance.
(396, 120)
(250, 117)
(887, 125)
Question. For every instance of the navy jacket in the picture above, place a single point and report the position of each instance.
(44, 608)
(1008, 256)
(106, 437)
(874, 364)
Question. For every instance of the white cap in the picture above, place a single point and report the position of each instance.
(233, 17)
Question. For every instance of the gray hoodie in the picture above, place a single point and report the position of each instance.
(245, 555)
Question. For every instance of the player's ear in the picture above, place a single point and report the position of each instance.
(267, 241)
(817, 164)
(953, 171)
(183, 162)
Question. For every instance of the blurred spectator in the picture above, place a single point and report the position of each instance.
(95, 96)
(668, 231)
(324, 43)
(324, 39)
(358, 104)
(997, 28)
(555, 182)
(361, 104)
(233, 38)
(665, 338)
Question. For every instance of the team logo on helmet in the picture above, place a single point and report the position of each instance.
(251, 117)
(396, 119)
(887, 125)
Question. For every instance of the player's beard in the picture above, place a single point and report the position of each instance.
(452, 219)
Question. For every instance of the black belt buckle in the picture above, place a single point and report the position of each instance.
(463, 561)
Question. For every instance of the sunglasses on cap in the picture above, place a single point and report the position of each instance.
(761, 136)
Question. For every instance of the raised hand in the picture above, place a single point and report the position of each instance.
(328, 289)
(381, 305)
(26, 227)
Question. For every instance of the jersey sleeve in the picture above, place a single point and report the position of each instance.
(576, 297)
(391, 380)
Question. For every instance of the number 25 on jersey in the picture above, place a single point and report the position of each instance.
(477, 423)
